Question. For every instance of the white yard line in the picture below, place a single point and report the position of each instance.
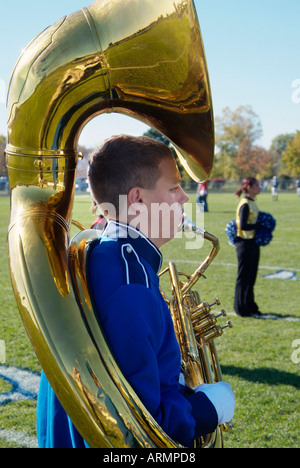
(262, 267)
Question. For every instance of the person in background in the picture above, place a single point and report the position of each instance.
(248, 252)
(275, 188)
(202, 194)
(298, 187)
(99, 223)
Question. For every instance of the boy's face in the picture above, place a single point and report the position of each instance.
(161, 208)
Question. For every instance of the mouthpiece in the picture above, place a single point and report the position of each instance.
(188, 226)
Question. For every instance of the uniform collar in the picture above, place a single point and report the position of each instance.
(126, 234)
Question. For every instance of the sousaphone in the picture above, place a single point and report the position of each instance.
(141, 58)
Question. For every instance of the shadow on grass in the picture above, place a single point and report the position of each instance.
(264, 376)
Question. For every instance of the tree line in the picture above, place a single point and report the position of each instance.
(237, 154)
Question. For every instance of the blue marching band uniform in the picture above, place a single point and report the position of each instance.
(123, 273)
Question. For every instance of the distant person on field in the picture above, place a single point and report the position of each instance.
(202, 194)
(275, 188)
(99, 223)
(298, 187)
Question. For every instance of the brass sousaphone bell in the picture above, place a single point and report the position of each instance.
(141, 58)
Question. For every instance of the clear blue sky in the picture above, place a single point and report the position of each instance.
(252, 49)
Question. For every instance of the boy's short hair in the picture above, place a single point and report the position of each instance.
(123, 162)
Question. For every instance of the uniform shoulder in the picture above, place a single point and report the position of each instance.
(118, 262)
(134, 270)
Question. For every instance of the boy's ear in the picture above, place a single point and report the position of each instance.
(134, 196)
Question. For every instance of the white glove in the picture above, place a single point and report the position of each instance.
(222, 397)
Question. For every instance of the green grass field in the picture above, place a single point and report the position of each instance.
(256, 355)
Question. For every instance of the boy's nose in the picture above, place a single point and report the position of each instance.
(184, 198)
